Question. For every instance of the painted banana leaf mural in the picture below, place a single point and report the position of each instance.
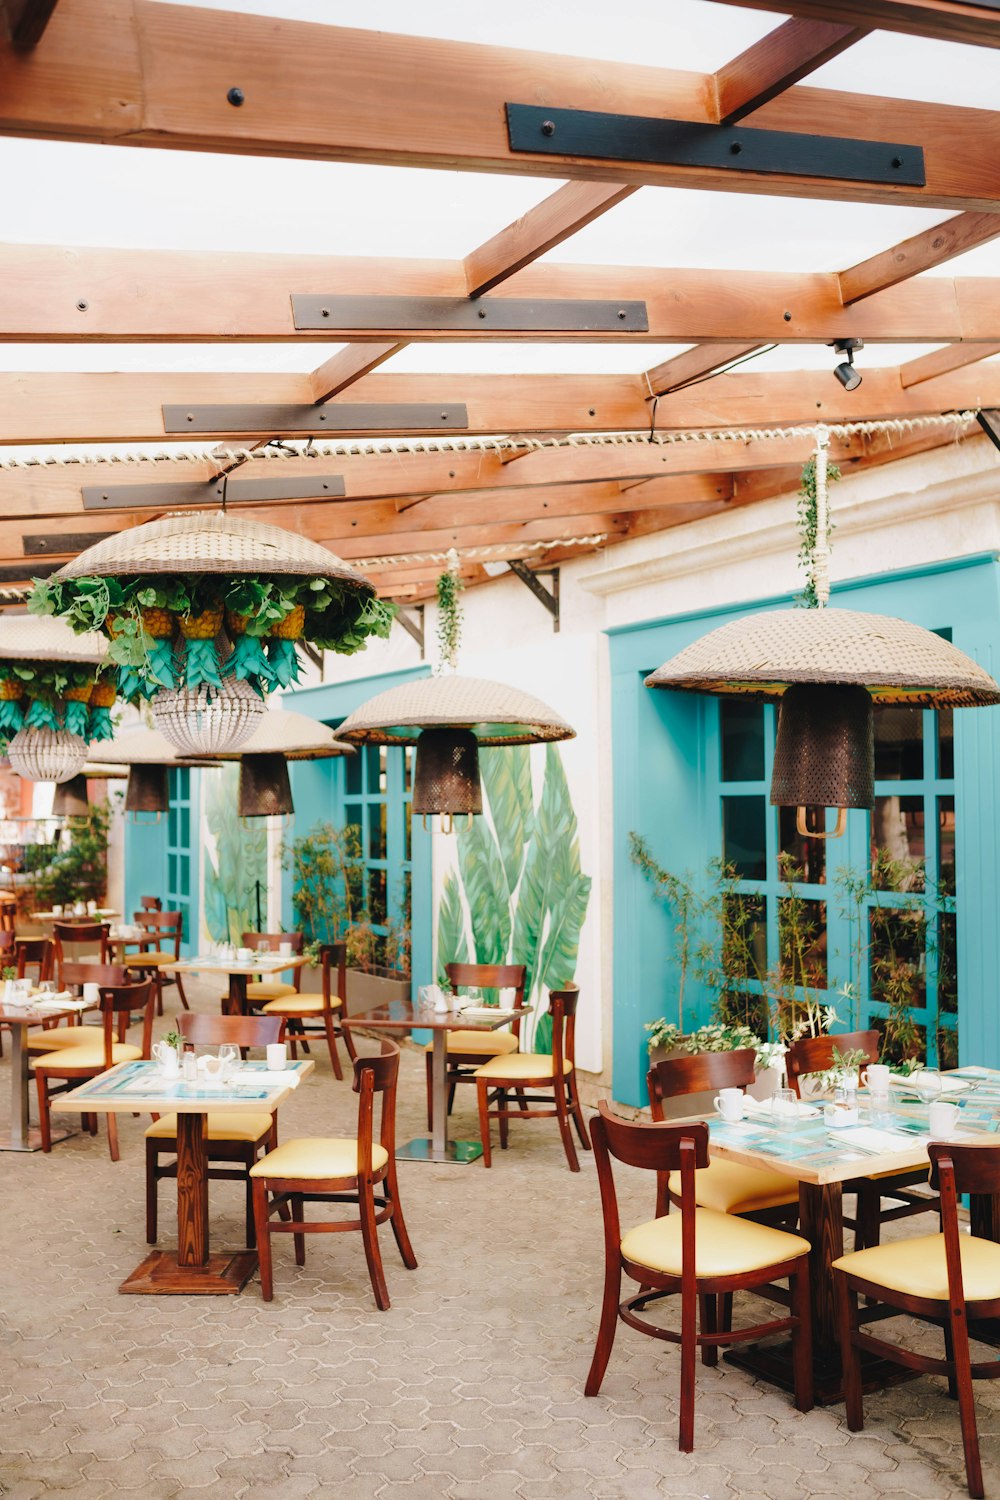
(240, 860)
(520, 894)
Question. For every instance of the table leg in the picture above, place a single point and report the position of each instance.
(438, 1147)
(237, 1002)
(19, 1136)
(192, 1269)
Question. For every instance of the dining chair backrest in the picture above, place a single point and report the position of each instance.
(274, 940)
(675, 1076)
(243, 1031)
(333, 957)
(490, 977)
(562, 1009)
(77, 935)
(119, 1001)
(151, 903)
(166, 928)
(376, 1075)
(74, 976)
(955, 1170)
(34, 953)
(815, 1054)
(7, 940)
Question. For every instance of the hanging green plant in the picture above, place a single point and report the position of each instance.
(807, 517)
(53, 695)
(449, 621)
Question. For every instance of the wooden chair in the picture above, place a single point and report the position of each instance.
(151, 903)
(726, 1186)
(816, 1054)
(318, 1015)
(950, 1279)
(259, 991)
(160, 946)
(518, 1071)
(77, 935)
(338, 1170)
(699, 1254)
(229, 1138)
(71, 1066)
(468, 1050)
(74, 977)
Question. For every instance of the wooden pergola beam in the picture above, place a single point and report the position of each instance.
(346, 367)
(81, 295)
(922, 252)
(560, 215)
(135, 72)
(943, 20)
(693, 365)
(22, 22)
(777, 61)
(941, 362)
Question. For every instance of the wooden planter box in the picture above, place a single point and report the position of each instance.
(365, 988)
(701, 1104)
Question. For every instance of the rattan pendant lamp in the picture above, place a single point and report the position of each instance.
(47, 677)
(826, 668)
(447, 717)
(71, 799)
(148, 757)
(204, 611)
(264, 788)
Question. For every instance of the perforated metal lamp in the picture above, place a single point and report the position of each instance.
(447, 718)
(265, 790)
(826, 668)
(148, 757)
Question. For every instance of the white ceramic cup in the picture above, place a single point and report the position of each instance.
(876, 1078)
(943, 1119)
(244, 955)
(57, 911)
(277, 1055)
(91, 908)
(285, 949)
(79, 910)
(92, 993)
(729, 1103)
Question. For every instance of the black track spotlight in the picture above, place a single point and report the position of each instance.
(849, 377)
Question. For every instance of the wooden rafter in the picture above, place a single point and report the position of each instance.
(693, 364)
(922, 252)
(941, 362)
(22, 22)
(944, 20)
(144, 73)
(778, 60)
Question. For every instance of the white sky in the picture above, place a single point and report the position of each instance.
(103, 195)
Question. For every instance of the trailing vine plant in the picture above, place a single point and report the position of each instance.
(449, 620)
(807, 514)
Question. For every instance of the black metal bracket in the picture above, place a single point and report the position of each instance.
(989, 421)
(684, 143)
(541, 593)
(413, 625)
(38, 544)
(157, 496)
(370, 416)
(467, 315)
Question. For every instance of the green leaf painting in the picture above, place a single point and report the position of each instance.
(240, 860)
(521, 894)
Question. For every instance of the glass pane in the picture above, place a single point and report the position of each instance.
(741, 1009)
(898, 844)
(371, 755)
(171, 873)
(947, 1040)
(802, 940)
(383, 779)
(376, 896)
(185, 836)
(946, 845)
(172, 826)
(947, 964)
(744, 836)
(352, 830)
(897, 968)
(408, 831)
(408, 769)
(800, 859)
(352, 774)
(894, 1047)
(741, 724)
(744, 936)
(946, 743)
(376, 830)
(899, 742)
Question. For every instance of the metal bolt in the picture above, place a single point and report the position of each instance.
(82, 305)
(324, 312)
(451, 473)
(897, 161)
(788, 317)
(236, 97)
(189, 417)
(482, 312)
(444, 416)
(735, 148)
(622, 314)
(322, 416)
(548, 127)
(591, 411)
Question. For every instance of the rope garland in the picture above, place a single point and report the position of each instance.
(892, 427)
(401, 559)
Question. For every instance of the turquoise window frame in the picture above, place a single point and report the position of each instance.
(660, 752)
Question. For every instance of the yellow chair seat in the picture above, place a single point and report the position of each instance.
(317, 1156)
(269, 989)
(917, 1267)
(488, 1043)
(724, 1246)
(299, 1005)
(135, 960)
(87, 1055)
(524, 1067)
(55, 1041)
(219, 1127)
(733, 1189)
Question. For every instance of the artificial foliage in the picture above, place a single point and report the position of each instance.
(55, 695)
(806, 520)
(184, 630)
(449, 620)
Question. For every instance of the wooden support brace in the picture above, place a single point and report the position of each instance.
(549, 601)
(413, 624)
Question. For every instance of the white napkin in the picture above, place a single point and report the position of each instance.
(65, 1000)
(254, 1077)
(760, 1109)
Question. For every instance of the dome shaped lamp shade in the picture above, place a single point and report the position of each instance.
(826, 667)
(47, 754)
(446, 776)
(265, 790)
(203, 720)
(70, 800)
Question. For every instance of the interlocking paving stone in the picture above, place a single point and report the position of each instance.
(469, 1388)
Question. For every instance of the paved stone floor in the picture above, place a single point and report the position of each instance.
(470, 1386)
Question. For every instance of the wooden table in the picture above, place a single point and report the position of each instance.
(403, 1015)
(821, 1177)
(141, 1087)
(237, 974)
(19, 1137)
(103, 914)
